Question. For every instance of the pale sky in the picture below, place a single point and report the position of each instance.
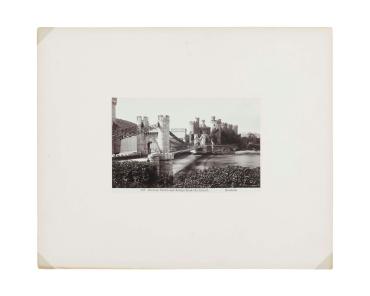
(243, 112)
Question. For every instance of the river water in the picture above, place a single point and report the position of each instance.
(200, 162)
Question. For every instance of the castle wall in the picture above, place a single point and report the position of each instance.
(129, 145)
(205, 130)
(218, 136)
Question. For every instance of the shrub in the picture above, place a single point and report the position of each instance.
(136, 174)
(231, 176)
(133, 174)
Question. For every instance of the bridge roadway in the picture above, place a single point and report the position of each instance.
(181, 162)
(178, 164)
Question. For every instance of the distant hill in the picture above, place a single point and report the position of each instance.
(125, 125)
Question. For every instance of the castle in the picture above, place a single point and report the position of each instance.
(200, 134)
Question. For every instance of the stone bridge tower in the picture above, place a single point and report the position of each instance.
(114, 104)
(164, 133)
(141, 141)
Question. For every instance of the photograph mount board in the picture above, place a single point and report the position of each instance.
(84, 221)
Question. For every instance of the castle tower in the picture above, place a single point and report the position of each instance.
(218, 134)
(196, 125)
(114, 104)
(164, 133)
(191, 131)
(146, 121)
(139, 121)
(141, 143)
(116, 137)
(213, 123)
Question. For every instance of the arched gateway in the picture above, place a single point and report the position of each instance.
(143, 138)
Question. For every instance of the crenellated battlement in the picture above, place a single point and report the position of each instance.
(215, 129)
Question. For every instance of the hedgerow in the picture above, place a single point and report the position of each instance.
(226, 177)
(134, 174)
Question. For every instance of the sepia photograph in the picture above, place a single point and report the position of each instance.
(185, 143)
(165, 148)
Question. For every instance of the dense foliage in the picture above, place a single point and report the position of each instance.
(229, 137)
(135, 174)
(231, 176)
(250, 142)
(138, 174)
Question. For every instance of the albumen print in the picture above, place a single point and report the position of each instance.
(185, 144)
